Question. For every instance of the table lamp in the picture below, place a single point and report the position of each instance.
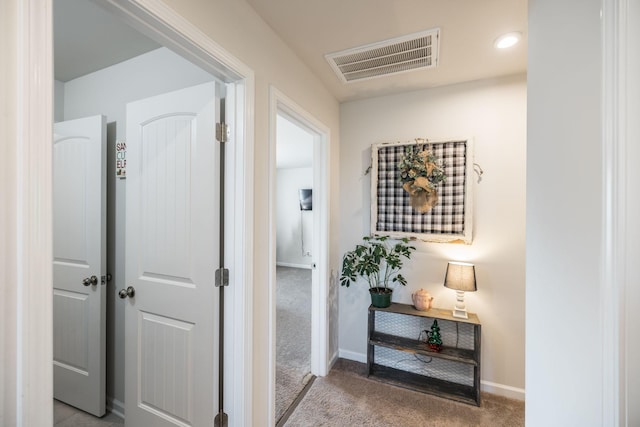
(460, 276)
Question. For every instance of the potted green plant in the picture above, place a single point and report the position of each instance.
(378, 261)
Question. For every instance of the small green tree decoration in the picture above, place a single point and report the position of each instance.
(435, 341)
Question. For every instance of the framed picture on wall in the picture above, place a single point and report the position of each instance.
(422, 190)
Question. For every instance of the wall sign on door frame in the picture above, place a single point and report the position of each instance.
(121, 159)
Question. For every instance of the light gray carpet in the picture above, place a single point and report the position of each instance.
(68, 416)
(346, 397)
(293, 334)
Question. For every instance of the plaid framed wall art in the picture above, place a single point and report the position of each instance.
(450, 219)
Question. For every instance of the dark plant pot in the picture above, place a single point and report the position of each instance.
(381, 297)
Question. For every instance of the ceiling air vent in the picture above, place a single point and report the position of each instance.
(407, 53)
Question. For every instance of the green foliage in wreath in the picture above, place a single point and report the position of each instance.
(420, 162)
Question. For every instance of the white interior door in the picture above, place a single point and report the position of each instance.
(172, 253)
(79, 263)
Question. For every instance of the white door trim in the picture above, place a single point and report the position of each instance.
(238, 248)
(26, 344)
(281, 104)
(617, 79)
(160, 22)
(29, 191)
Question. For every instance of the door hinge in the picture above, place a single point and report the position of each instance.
(222, 132)
(222, 277)
(221, 420)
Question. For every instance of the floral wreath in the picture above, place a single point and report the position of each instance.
(420, 174)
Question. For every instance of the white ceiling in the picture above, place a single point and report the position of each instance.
(294, 147)
(88, 38)
(468, 30)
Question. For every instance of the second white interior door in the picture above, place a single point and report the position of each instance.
(172, 249)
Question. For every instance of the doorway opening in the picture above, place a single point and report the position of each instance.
(206, 62)
(298, 257)
(294, 260)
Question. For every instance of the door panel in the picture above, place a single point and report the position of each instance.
(172, 253)
(169, 358)
(79, 252)
(71, 336)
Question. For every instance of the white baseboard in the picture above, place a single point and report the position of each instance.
(294, 265)
(352, 355)
(115, 407)
(290, 264)
(486, 386)
(502, 390)
(332, 361)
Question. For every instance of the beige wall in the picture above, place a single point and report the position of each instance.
(493, 113)
(238, 29)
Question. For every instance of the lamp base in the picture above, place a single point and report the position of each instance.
(460, 310)
(461, 313)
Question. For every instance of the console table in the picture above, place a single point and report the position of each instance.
(397, 352)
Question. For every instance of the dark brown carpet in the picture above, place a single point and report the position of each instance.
(346, 397)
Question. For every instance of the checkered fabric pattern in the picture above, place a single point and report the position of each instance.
(394, 210)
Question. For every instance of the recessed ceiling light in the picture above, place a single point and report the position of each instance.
(507, 40)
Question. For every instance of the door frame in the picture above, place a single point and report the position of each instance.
(29, 330)
(280, 104)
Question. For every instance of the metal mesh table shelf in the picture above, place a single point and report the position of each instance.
(397, 355)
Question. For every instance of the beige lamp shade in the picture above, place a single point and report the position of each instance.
(460, 276)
